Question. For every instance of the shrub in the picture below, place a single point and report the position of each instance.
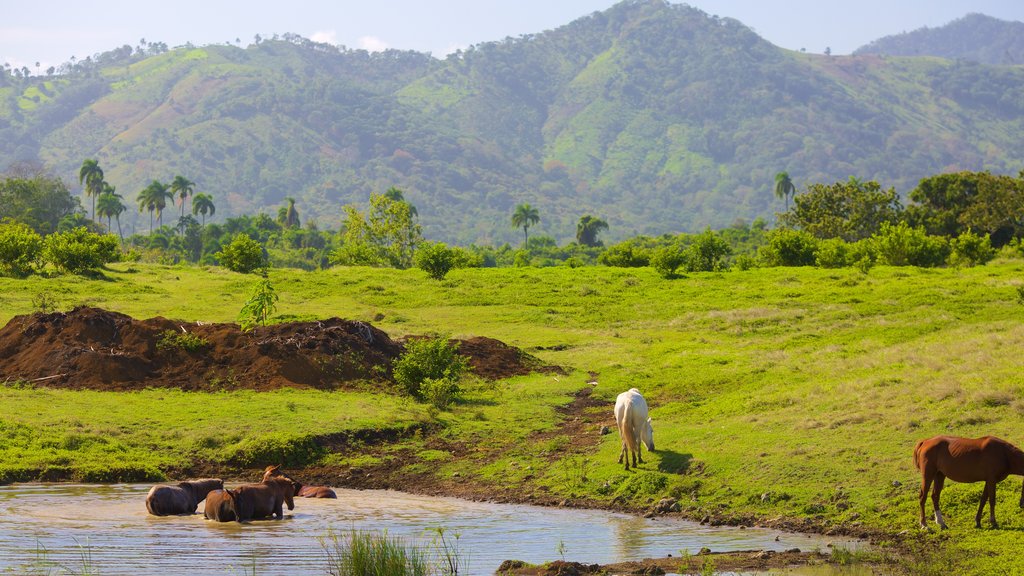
(174, 340)
(668, 259)
(79, 250)
(707, 253)
(745, 262)
(278, 448)
(20, 248)
(437, 259)
(428, 358)
(970, 249)
(439, 392)
(902, 245)
(832, 253)
(625, 255)
(788, 247)
(243, 255)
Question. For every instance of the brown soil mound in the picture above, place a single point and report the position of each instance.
(102, 350)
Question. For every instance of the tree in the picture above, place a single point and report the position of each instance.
(153, 198)
(91, 175)
(183, 187)
(387, 236)
(242, 255)
(950, 204)
(109, 205)
(36, 198)
(784, 187)
(397, 195)
(588, 228)
(288, 216)
(20, 247)
(203, 204)
(850, 210)
(79, 250)
(260, 305)
(524, 217)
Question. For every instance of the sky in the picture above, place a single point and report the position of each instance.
(52, 32)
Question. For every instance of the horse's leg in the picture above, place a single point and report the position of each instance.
(981, 505)
(992, 504)
(940, 481)
(926, 484)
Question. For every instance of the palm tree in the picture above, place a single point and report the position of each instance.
(588, 228)
(153, 198)
(396, 195)
(110, 205)
(784, 187)
(203, 204)
(91, 175)
(524, 217)
(183, 187)
(288, 216)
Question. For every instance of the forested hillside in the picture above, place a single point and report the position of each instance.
(974, 37)
(655, 117)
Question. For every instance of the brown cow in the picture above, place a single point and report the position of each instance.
(182, 498)
(986, 459)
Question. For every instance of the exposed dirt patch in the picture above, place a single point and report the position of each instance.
(748, 561)
(91, 348)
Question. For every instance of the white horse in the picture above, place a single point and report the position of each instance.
(634, 425)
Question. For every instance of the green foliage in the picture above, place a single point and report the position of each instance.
(437, 260)
(20, 249)
(524, 217)
(79, 250)
(37, 199)
(850, 210)
(387, 236)
(628, 254)
(707, 253)
(788, 247)
(832, 253)
(951, 204)
(440, 392)
(359, 553)
(902, 245)
(260, 305)
(243, 255)
(642, 485)
(434, 359)
(970, 249)
(588, 228)
(668, 259)
(175, 340)
(274, 448)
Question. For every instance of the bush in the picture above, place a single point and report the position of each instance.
(20, 248)
(788, 247)
(437, 259)
(289, 451)
(242, 255)
(902, 245)
(428, 359)
(175, 340)
(79, 250)
(625, 255)
(707, 253)
(439, 392)
(832, 253)
(668, 259)
(969, 249)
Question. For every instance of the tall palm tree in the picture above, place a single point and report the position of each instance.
(183, 187)
(203, 204)
(153, 198)
(588, 228)
(784, 187)
(110, 205)
(397, 195)
(91, 175)
(524, 217)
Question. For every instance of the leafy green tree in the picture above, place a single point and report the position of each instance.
(20, 248)
(849, 210)
(288, 216)
(36, 198)
(970, 249)
(428, 359)
(109, 205)
(788, 247)
(588, 228)
(79, 250)
(243, 255)
(524, 217)
(388, 236)
(260, 306)
(707, 253)
(784, 187)
(183, 187)
(632, 253)
(950, 204)
(203, 204)
(667, 259)
(903, 245)
(396, 195)
(91, 175)
(437, 259)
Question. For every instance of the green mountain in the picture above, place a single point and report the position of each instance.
(653, 116)
(974, 37)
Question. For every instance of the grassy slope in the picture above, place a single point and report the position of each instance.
(808, 386)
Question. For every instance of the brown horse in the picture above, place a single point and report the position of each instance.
(303, 491)
(220, 506)
(182, 498)
(986, 459)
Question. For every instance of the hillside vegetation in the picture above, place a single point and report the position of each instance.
(656, 117)
(792, 394)
(974, 37)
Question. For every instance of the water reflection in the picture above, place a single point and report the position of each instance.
(110, 524)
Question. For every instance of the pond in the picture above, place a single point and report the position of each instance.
(106, 528)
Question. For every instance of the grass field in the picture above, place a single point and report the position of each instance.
(782, 392)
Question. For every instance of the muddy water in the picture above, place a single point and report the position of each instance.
(50, 528)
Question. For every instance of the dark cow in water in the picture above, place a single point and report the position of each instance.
(986, 459)
(302, 491)
(181, 498)
(253, 501)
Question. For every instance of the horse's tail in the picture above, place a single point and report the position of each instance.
(917, 454)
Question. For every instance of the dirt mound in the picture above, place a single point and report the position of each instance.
(102, 350)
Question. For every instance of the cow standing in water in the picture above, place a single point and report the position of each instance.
(634, 426)
(182, 498)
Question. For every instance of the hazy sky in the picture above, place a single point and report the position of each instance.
(52, 31)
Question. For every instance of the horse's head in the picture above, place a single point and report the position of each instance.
(647, 435)
(272, 471)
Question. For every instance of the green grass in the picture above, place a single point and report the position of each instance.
(775, 392)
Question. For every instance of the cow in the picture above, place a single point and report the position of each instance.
(634, 426)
